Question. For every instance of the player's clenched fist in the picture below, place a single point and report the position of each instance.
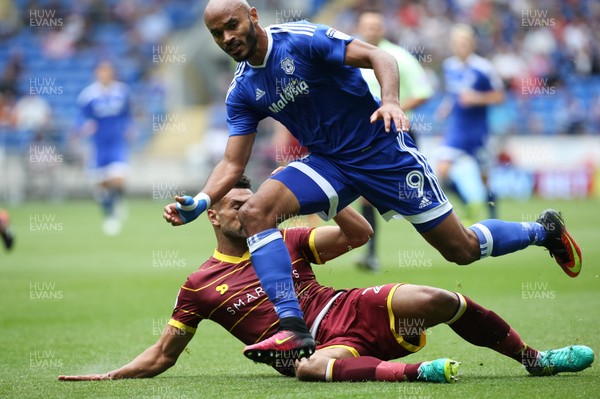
(186, 209)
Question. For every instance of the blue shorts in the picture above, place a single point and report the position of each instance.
(109, 162)
(395, 178)
(106, 155)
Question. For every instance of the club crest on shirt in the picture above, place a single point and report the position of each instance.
(287, 64)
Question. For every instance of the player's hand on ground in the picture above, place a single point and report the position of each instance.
(91, 377)
(391, 113)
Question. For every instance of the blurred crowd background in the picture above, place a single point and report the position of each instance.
(547, 52)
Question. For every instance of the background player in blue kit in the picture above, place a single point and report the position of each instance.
(105, 105)
(472, 85)
(355, 149)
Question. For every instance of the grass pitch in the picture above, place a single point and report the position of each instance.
(75, 301)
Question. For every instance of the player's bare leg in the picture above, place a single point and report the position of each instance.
(272, 204)
(456, 243)
(495, 237)
(427, 306)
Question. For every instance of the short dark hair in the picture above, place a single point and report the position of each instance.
(244, 182)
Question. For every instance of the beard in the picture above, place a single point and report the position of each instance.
(250, 42)
(235, 235)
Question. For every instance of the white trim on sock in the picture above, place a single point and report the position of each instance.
(329, 371)
(487, 247)
(254, 244)
(462, 306)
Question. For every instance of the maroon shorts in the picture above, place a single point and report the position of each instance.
(361, 320)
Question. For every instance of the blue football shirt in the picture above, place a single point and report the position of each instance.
(109, 107)
(467, 127)
(304, 84)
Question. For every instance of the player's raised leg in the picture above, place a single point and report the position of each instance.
(494, 237)
(487, 238)
(272, 204)
(422, 202)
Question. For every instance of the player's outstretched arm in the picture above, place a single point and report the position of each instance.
(221, 180)
(352, 231)
(153, 361)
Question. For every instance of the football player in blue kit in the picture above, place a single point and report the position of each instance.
(307, 77)
(472, 85)
(106, 109)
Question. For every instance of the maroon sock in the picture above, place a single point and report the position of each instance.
(366, 368)
(482, 327)
(526, 355)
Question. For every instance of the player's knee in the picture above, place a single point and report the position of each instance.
(438, 303)
(253, 218)
(247, 214)
(426, 307)
(461, 258)
(360, 240)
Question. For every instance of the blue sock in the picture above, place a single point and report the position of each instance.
(497, 237)
(273, 266)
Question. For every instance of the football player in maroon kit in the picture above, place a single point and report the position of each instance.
(358, 331)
